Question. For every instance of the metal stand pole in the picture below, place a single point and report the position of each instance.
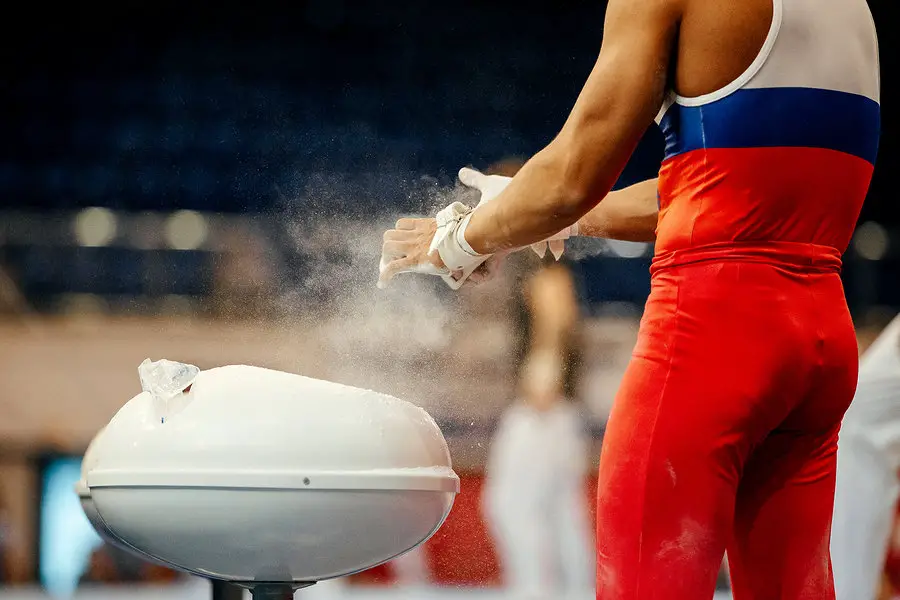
(226, 591)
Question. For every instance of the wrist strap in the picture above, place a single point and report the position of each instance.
(461, 236)
(450, 242)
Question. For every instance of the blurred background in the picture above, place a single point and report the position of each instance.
(209, 184)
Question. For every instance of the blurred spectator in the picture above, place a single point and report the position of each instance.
(541, 320)
(552, 314)
(890, 580)
(868, 460)
(534, 498)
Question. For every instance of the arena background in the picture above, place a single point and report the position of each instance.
(208, 183)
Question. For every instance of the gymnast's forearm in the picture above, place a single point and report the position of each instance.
(550, 193)
(567, 179)
(629, 214)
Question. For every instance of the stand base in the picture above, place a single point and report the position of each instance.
(272, 592)
(233, 590)
(275, 591)
(222, 590)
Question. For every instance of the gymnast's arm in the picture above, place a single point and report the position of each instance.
(629, 214)
(575, 172)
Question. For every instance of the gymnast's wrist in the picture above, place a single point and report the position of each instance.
(456, 252)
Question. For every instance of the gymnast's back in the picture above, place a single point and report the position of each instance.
(772, 123)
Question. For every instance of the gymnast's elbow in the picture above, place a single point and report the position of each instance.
(563, 193)
(584, 161)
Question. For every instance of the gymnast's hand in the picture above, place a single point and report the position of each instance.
(417, 245)
(413, 244)
(407, 249)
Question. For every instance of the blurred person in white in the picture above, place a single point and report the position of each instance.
(534, 496)
(867, 471)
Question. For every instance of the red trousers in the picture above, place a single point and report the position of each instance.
(724, 431)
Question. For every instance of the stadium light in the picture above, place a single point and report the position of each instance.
(871, 241)
(186, 230)
(95, 227)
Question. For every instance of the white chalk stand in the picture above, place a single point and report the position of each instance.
(268, 480)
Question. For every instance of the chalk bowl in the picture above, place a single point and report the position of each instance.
(269, 480)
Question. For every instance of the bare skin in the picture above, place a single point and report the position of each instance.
(553, 307)
(629, 214)
(649, 46)
(553, 304)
